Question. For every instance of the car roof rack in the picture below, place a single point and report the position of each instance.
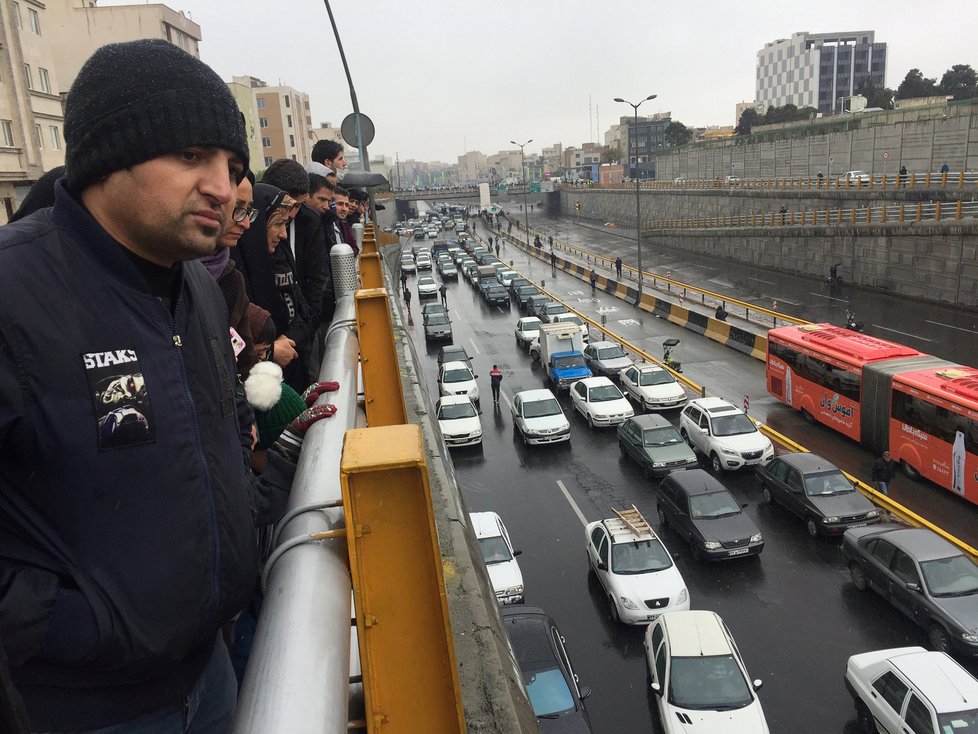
(635, 521)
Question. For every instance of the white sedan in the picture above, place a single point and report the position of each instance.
(527, 329)
(459, 421)
(652, 387)
(500, 557)
(427, 287)
(538, 419)
(600, 401)
(407, 264)
(456, 378)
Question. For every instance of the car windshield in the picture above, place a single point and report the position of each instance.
(960, 722)
(540, 408)
(494, 550)
(437, 319)
(610, 352)
(712, 682)
(454, 411)
(733, 425)
(571, 320)
(603, 393)
(712, 505)
(569, 360)
(639, 556)
(527, 290)
(548, 692)
(426, 281)
(459, 375)
(951, 576)
(654, 377)
(827, 483)
(665, 436)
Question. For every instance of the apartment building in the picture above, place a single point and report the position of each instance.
(31, 116)
(77, 27)
(284, 122)
(244, 95)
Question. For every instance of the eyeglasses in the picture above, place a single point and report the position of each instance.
(240, 214)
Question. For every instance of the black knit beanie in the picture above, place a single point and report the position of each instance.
(138, 100)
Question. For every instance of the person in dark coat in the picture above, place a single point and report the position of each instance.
(883, 472)
(127, 538)
(270, 280)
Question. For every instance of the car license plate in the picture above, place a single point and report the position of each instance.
(678, 468)
(738, 552)
(857, 525)
(651, 617)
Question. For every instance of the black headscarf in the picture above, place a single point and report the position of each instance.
(253, 259)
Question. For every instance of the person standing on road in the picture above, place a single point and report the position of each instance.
(407, 297)
(495, 378)
(497, 248)
(593, 277)
(618, 267)
(550, 240)
(443, 290)
(553, 260)
(883, 472)
(903, 176)
(403, 279)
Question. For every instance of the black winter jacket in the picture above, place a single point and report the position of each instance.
(126, 527)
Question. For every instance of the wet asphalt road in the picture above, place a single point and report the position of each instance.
(793, 611)
(943, 330)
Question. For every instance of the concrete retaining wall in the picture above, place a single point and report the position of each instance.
(936, 261)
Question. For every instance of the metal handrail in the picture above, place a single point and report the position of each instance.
(607, 262)
(936, 211)
(298, 676)
(918, 180)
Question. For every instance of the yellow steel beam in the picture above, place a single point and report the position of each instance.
(406, 647)
(370, 270)
(384, 400)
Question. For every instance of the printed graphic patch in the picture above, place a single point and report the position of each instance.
(123, 414)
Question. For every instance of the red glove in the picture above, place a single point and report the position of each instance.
(309, 416)
(290, 442)
(312, 393)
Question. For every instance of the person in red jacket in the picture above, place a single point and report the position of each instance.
(495, 378)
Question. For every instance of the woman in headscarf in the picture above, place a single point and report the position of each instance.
(269, 276)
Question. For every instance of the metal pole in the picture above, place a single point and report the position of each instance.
(526, 206)
(638, 207)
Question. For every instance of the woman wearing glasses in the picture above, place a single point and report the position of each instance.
(269, 276)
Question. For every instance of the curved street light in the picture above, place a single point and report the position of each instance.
(638, 201)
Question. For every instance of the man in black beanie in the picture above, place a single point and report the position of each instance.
(126, 531)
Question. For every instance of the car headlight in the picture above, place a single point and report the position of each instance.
(657, 464)
(513, 590)
(728, 452)
(769, 449)
(756, 538)
(831, 518)
(476, 434)
(683, 596)
(969, 636)
(711, 545)
(872, 513)
(627, 603)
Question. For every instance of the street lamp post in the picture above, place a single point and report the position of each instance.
(526, 186)
(638, 196)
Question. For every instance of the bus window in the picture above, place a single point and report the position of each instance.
(941, 423)
(837, 379)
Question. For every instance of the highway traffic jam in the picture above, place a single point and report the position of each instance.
(687, 454)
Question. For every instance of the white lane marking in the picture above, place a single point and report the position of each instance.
(572, 503)
(604, 310)
(474, 347)
(762, 281)
(628, 322)
(938, 323)
(506, 400)
(904, 333)
(822, 295)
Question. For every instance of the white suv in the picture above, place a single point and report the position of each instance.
(910, 689)
(725, 434)
(635, 569)
(699, 681)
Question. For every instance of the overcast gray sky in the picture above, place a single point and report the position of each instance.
(439, 77)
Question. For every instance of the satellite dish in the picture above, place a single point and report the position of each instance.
(348, 128)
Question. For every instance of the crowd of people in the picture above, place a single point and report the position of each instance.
(162, 318)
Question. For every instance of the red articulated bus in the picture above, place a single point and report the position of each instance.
(884, 395)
